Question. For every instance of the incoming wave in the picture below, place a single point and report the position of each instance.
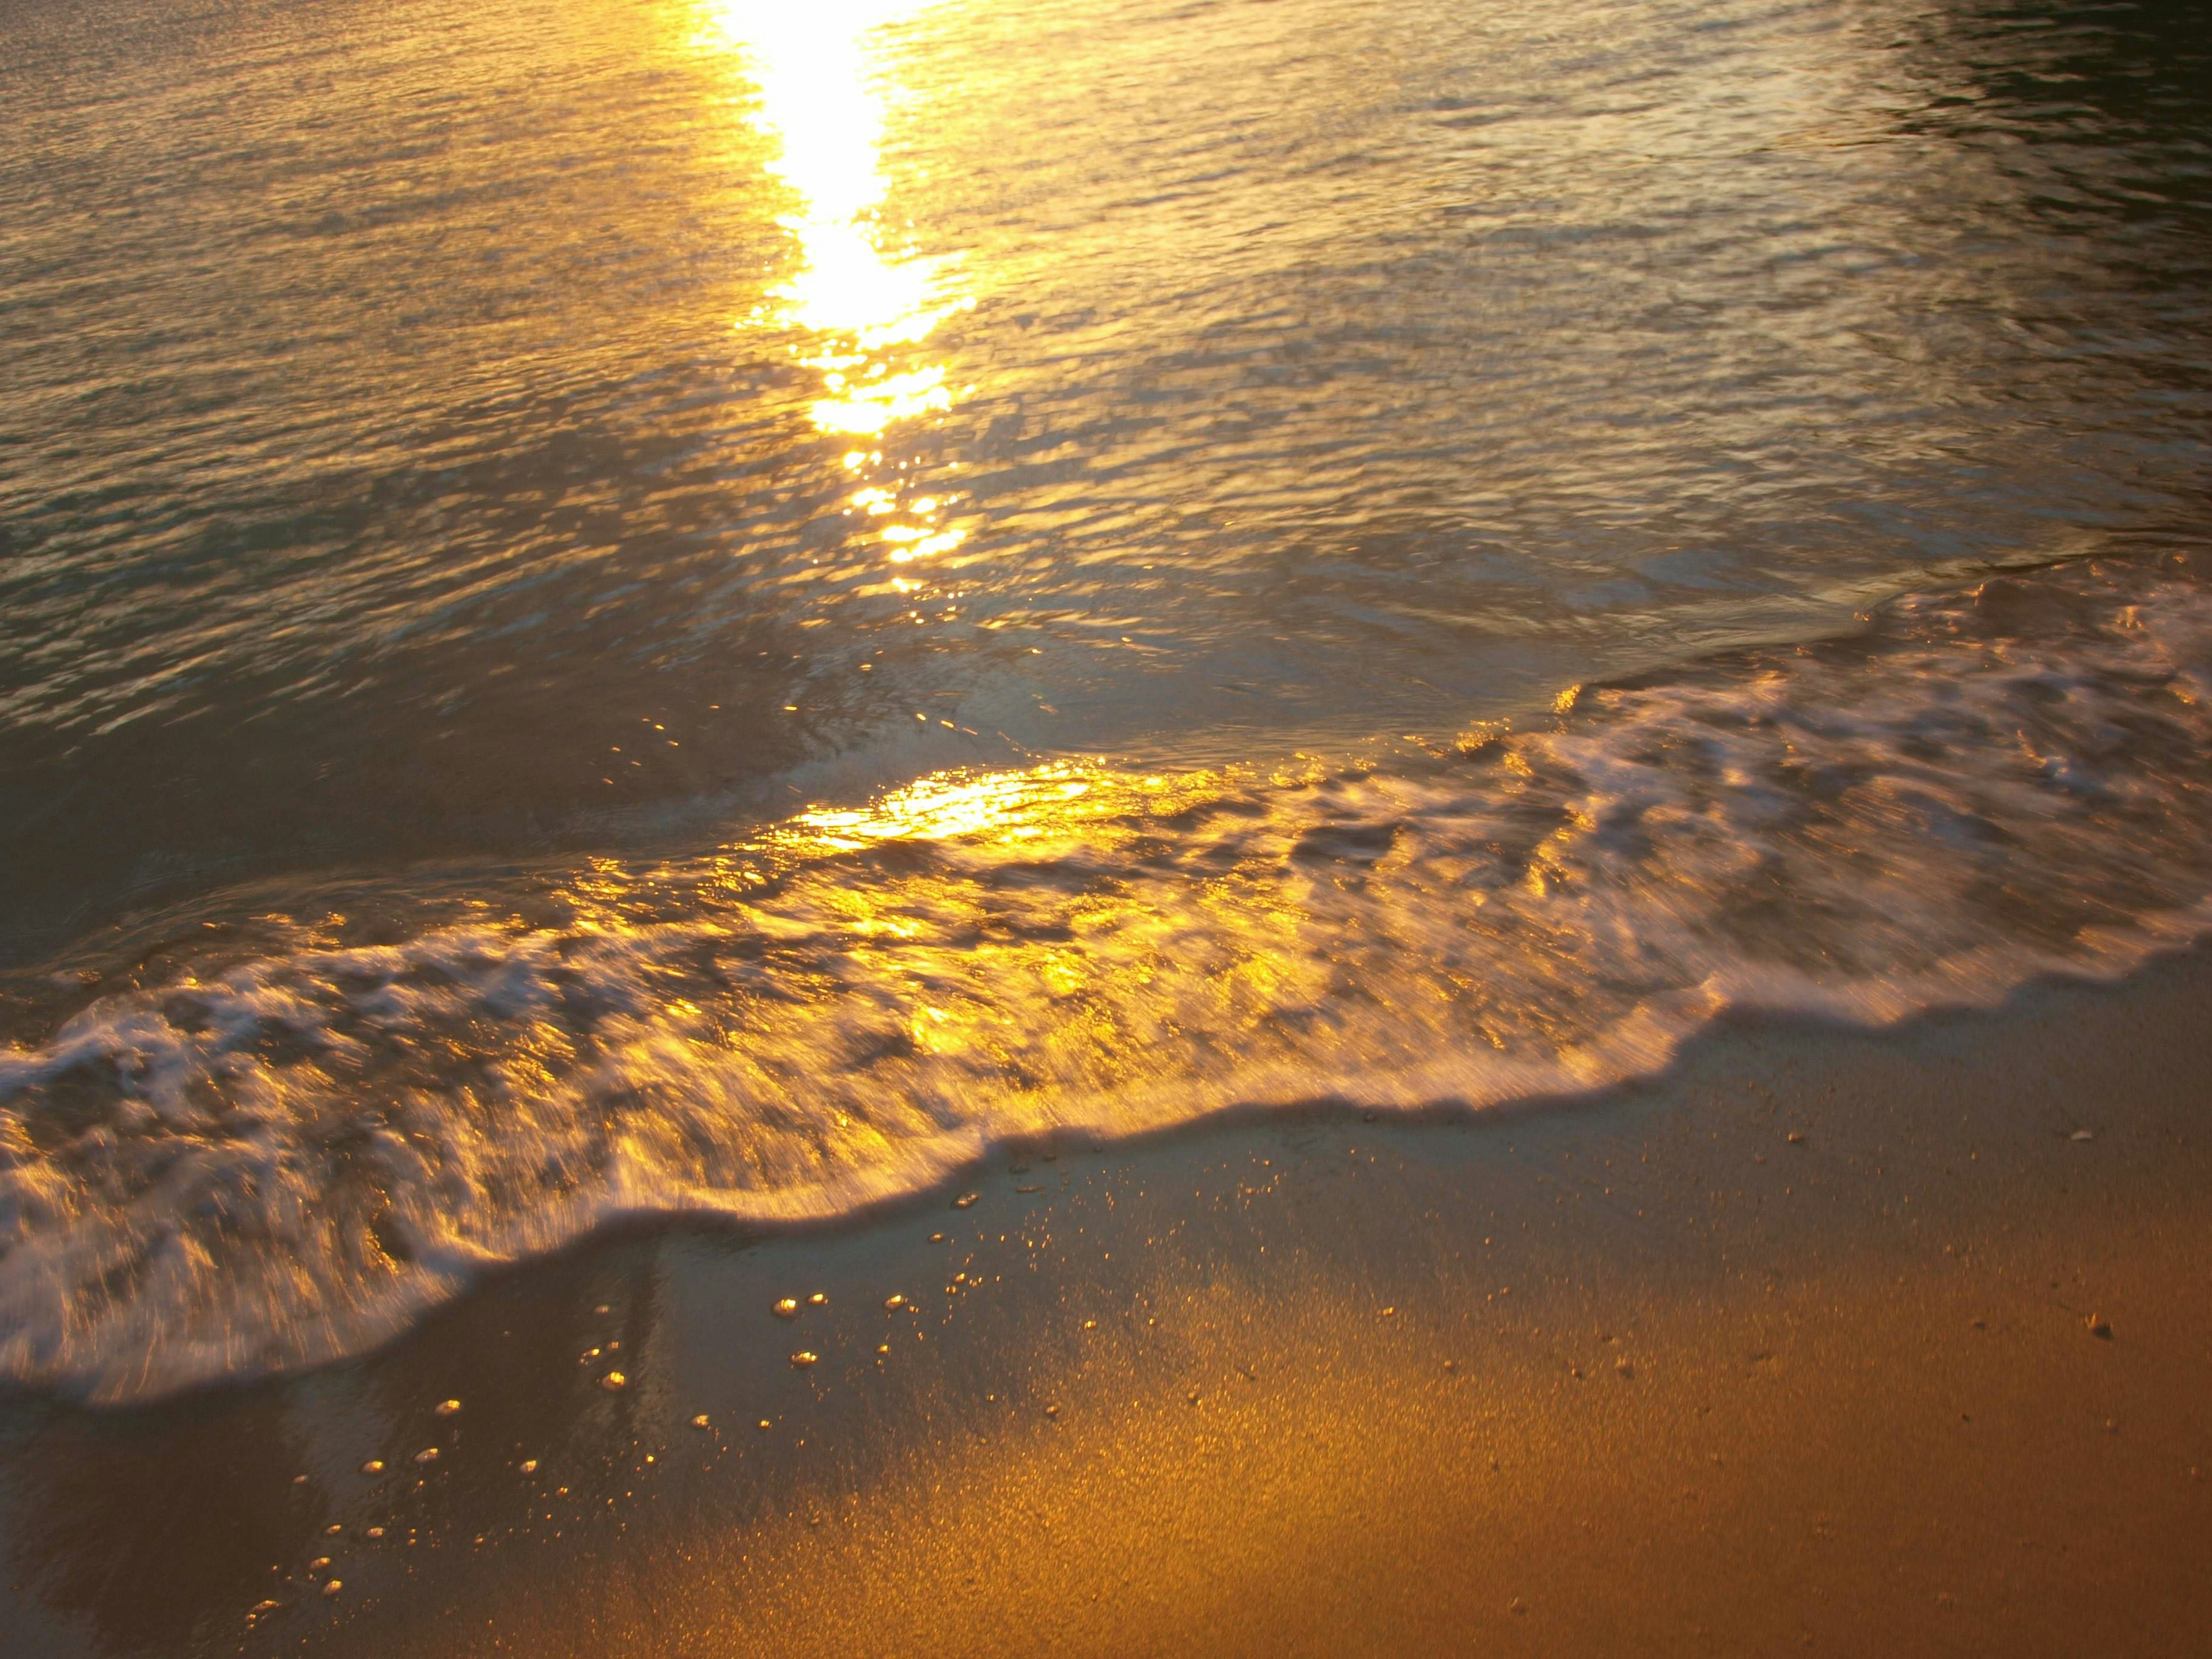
(267, 1154)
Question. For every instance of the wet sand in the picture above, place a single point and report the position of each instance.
(1824, 1339)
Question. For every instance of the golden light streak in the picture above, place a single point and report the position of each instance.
(867, 298)
(1009, 805)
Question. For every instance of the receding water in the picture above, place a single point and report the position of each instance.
(627, 606)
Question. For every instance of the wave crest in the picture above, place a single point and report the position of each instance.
(265, 1157)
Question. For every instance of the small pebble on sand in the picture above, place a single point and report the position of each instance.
(2100, 1327)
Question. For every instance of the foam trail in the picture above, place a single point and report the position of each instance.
(267, 1154)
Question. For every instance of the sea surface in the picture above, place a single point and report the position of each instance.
(616, 607)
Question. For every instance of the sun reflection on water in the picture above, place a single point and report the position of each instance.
(866, 296)
(1006, 805)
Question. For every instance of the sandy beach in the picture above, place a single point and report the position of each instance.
(1857, 1342)
(1186, 828)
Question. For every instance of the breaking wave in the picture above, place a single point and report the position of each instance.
(276, 1140)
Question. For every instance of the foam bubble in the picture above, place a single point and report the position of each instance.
(285, 1152)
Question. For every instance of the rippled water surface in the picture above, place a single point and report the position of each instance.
(632, 604)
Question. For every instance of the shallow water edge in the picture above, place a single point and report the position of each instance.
(1792, 1220)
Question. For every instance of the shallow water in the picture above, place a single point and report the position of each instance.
(633, 606)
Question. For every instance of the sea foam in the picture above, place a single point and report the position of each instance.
(274, 1143)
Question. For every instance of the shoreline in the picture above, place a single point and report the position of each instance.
(272, 1145)
(1651, 1371)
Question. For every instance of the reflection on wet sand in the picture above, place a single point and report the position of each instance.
(236, 1510)
(850, 1006)
(1183, 1398)
(1395, 358)
(156, 1533)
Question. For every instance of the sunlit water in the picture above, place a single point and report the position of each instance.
(626, 605)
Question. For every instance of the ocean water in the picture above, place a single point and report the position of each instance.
(622, 606)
